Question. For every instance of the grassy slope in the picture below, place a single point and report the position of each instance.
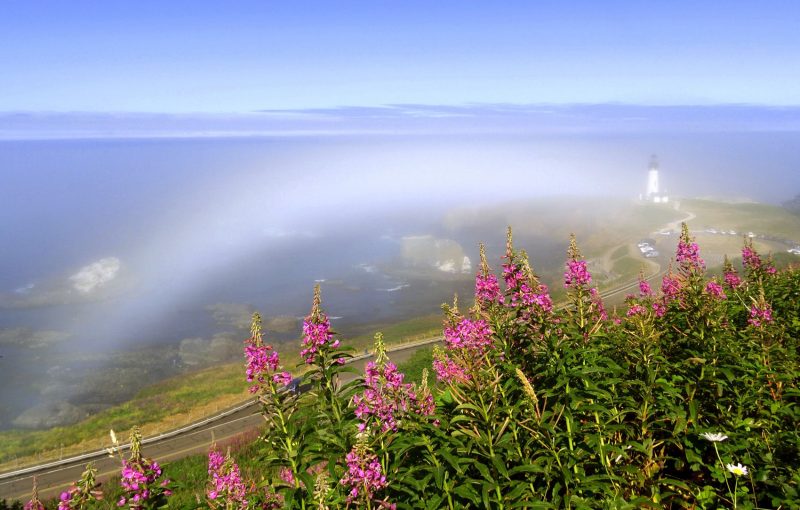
(160, 407)
(743, 217)
(761, 219)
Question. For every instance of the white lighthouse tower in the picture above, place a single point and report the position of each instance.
(653, 192)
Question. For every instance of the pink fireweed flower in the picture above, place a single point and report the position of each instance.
(316, 334)
(512, 275)
(140, 479)
(522, 285)
(473, 335)
(287, 475)
(282, 378)
(364, 475)
(659, 308)
(512, 272)
(386, 398)
(732, 280)
(65, 500)
(760, 315)
(34, 505)
(215, 461)
(140, 482)
(76, 498)
(226, 487)
(688, 256)
(426, 405)
(526, 292)
(636, 310)
(82, 493)
(487, 289)
(540, 299)
(644, 288)
(671, 286)
(449, 371)
(517, 285)
(750, 258)
(688, 253)
(715, 290)
(261, 360)
(597, 303)
(577, 274)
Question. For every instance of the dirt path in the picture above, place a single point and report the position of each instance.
(675, 224)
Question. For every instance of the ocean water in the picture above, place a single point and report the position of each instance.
(109, 246)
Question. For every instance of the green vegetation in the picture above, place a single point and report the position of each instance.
(164, 405)
(743, 217)
(689, 399)
(405, 331)
(628, 266)
(620, 252)
(420, 361)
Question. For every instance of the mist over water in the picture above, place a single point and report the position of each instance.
(109, 246)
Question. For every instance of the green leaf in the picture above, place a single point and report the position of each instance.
(483, 470)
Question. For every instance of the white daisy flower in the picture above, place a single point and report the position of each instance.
(737, 469)
(714, 437)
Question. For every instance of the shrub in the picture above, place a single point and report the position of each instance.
(538, 407)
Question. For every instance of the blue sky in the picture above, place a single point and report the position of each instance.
(181, 57)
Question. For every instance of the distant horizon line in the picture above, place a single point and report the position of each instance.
(405, 119)
(400, 106)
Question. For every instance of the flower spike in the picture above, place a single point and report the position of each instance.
(484, 264)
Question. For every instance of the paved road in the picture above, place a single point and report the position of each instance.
(55, 477)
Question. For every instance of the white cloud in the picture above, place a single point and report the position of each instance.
(95, 275)
(99, 280)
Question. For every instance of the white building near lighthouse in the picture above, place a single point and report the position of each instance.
(654, 193)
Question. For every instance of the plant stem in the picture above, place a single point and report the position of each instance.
(733, 496)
